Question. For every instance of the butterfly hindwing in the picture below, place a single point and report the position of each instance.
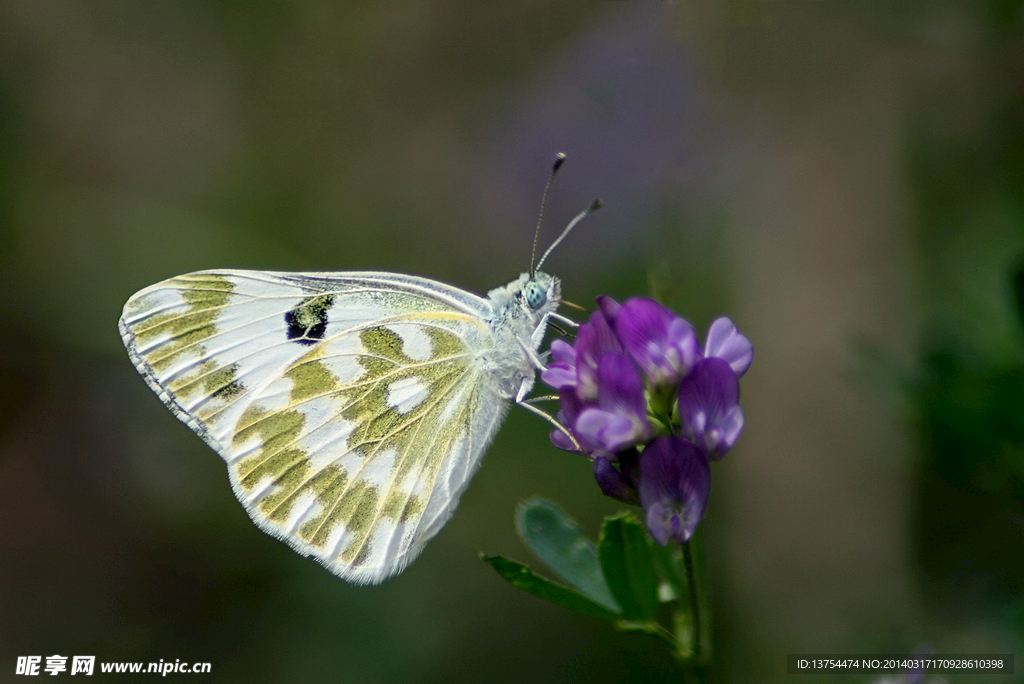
(351, 409)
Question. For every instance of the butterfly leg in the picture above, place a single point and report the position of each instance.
(532, 355)
(564, 320)
(538, 333)
(533, 409)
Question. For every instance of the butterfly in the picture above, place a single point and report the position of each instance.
(352, 408)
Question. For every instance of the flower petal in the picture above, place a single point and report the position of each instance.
(730, 426)
(674, 485)
(559, 375)
(562, 441)
(609, 307)
(725, 341)
(620, 418)
(567, 415)
(620, 387)
(661, 343)
(569, 407)
(612, 482)
(563, 352)
(658, 517)
(708, 406)
(595, 338)
(600, 429)
(561, 372)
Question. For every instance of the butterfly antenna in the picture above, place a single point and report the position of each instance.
(559, 160)
(572, 224)
(573, 305)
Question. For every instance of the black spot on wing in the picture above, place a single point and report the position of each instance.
(299, 332)
(229, 391)
(307, 322)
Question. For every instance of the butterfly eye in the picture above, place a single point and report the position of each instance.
(535, 295)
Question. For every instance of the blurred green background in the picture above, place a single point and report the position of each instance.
(845, 180)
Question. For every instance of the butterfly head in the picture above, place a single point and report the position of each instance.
(540, 293)
(535, 295)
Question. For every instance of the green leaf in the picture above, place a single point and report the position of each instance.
(519, 575)
(628, 566)
(559, 543)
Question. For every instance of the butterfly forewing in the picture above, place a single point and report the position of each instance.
(351, 409)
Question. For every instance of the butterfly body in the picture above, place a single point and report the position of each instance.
(351, 408)
(513, 320)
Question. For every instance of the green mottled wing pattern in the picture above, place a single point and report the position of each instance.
(352, 409)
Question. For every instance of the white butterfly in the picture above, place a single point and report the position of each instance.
(351, 408)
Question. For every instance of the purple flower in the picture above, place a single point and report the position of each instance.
(574, 373)
(709, 410)
(619, 420)
(674, 485)
(618, 483)
(594, 339)
(650, 407)
(561, 372)
(726, 342)
(567, 415)
(609, 307)
(662, 344)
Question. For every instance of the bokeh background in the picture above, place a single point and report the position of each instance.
(845, 180)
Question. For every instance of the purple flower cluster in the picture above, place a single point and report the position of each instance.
(650, 407)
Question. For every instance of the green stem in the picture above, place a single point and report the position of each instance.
(691, 583)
